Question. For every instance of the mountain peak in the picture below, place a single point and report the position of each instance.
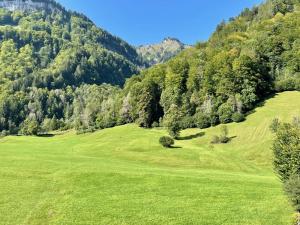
(159, 53)
(171, 39)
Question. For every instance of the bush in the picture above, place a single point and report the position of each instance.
(292, 188)
(238, 117)
(30, 127)
(225, 113)
(275, 125)
(166, 141)
(202, 121)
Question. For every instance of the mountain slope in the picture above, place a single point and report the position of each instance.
(123, 176)
(219, 81)
(62, 48)
(162, 52)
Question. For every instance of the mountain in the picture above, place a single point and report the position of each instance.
(162, 52)
(54, 63)
(247, 58)
(62, 48)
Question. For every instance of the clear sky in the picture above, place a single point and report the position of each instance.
(149, 21)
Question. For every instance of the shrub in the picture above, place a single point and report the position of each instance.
(292, 188)
(286, 151)
(30, 127)
(166, 141)
(225, 113)
(203, 121)
(238, 117)
(275, 125)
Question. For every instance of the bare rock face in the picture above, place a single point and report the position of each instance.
(160, 53)
(25, 5)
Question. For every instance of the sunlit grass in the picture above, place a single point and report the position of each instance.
(123, 176)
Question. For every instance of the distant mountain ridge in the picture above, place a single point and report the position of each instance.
(159, 53)
(28, 5)
(65, 48)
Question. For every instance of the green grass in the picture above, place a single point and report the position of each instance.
(123, 176)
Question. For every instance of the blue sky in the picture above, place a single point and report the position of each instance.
(149, 21)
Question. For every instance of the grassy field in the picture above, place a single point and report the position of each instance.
(123, 176)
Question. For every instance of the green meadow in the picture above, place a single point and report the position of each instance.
(123, 176)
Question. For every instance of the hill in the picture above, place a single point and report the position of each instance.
(59, 48)
(161, 52)
(123, 176)
(245, 60)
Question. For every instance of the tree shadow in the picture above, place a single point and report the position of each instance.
(175, 147)
(231, 138)
(45, 135)
(190, 137)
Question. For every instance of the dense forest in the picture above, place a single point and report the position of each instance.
(58, 68)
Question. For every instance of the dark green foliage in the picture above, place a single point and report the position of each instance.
(225, 113)
(292, 188)
(174, 130)
(203, 121)
(30, 127)
(238, 117)
(275, 125)
(166, 141)
(173, 121)
(286, 148)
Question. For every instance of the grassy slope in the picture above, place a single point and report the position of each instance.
(123, 176)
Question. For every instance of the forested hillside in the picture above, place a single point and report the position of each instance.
(53, 62)
(246, 59)
(46, 53)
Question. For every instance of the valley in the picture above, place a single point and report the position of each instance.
(123, 176)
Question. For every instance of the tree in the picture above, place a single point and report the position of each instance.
(286, 148)
(166, 142)
(202, 120)
(30, 127)
(172, 121)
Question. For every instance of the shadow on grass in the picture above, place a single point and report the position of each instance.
(175, 147)
(190, 137)
(231, 138)
(45, 135)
